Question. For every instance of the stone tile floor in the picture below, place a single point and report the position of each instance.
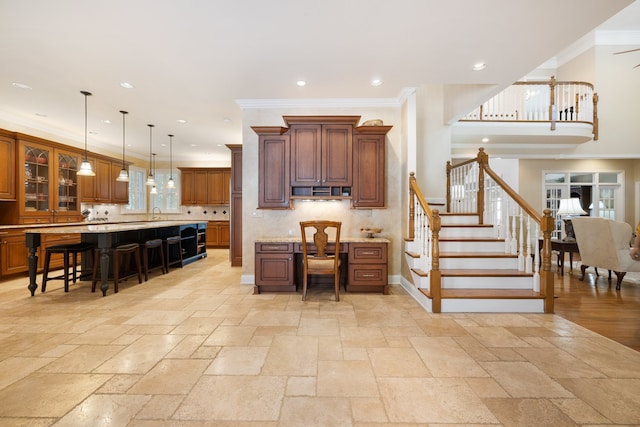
(196, 348)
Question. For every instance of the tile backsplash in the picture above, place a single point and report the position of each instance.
(115, 213)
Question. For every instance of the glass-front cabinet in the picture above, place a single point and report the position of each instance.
(50, 184)
(67, 182)
(37, 177)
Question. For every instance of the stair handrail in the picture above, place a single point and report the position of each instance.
(430, 237)
(527, 101)
(476, 192)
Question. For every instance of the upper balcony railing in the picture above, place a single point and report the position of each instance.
(549, 101)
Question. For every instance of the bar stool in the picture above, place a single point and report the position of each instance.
(152, 248)
(173, 242)
(66, 250)
(120, 253)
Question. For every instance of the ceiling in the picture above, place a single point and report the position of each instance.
(193, 60)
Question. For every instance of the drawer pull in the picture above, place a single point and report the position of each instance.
(367, 253)
(368, 275)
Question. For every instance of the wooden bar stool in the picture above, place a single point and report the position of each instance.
(152, 248)
(66, 250)
(120, 253)
(176, 243)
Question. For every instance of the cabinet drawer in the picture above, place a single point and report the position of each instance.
(274, 247)
(368, 253)
(367, 275)
(330, 248)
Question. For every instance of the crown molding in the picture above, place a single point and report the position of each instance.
(247, 104)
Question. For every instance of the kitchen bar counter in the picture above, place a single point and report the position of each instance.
(106, 236)
(343, 239)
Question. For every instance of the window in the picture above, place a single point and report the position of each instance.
(137, 191)
(167, 199)
(600, 194)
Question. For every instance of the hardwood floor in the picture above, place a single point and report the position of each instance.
(596, 305)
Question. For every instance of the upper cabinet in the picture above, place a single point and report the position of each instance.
(321, 157)
(8, 174)
(205, 186)
(103, 187)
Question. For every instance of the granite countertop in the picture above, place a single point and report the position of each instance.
(92, 227)
(346, 239)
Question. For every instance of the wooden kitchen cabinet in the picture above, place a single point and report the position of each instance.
(8, 173)
(218, 235)
(97, 189)
(273, 168)
(274, 267)
(369, 167)
(367, 267)
(205, 186)
(119, 189)
(14, 255)
(321, 155)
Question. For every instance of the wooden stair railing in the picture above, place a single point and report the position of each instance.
(473, 187)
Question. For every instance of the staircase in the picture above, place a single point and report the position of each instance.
(476, 273)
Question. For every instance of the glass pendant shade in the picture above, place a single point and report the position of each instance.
(154, 190)
(170, 182)
(150, 179)
(85, 167)
(124, 175)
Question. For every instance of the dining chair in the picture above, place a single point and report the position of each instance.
(315, 259)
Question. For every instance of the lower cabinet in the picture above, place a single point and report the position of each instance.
(218, 234)
(277, 266)
(274, 267)
(14, 255)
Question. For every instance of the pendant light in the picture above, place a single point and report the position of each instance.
(154, 190)
(170, 182)
(85, 167)
(124, 175)
(150, 179)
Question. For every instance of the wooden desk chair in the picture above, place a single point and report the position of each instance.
(315, 259)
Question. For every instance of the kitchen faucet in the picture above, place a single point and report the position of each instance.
(153, 212)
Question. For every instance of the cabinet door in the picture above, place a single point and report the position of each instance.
(119, 189)
(36, 174)
(200, 190)
(274, 269)
(213, 234)
(103, 180)
(187, 183)
(67, 201)
(337, 149)
(273, 172)
(224, 238)
(368, 171)
(14, 255)
(88, 184)
(306, 155)
(214, 187)
(8, 174)
(226, 186)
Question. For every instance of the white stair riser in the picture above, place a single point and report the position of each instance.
(420, 281)
(459, 219)
(457, 246)
(467, 232)
(487, 282)
(412, 262)
(492, 305)
(482, 263)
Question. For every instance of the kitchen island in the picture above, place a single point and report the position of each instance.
(107, 236)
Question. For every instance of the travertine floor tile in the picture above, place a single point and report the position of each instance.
(445, 358)
(522, 379)
(292, 356)
(238, 361)
(385, 363)
(315, 411)
(170, 376)
(348, 378)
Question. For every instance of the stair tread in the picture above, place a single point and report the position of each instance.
(477, 272)
(476, 255)
(486, 293)
(467, 225)
(471, 239)
(458, 214)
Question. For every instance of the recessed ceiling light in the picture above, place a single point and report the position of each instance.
(183, 121)
(106, 121)
(485, 139)
(21, 85)
(226, 120)
(376, 82)
(126, 85)
(301, 83)
(41, 115)
(194, 145)
(479, 66)
(93, 132)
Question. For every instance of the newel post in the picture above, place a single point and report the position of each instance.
(483, 161)
(595, 116)
(412, 204)
(435, 276)
(449, 167)
(552, 96)
(547, 288)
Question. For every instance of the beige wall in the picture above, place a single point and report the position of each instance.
(278, 223)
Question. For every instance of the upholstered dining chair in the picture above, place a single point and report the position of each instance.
(315, 259)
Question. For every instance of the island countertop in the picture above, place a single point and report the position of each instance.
(108, 228)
